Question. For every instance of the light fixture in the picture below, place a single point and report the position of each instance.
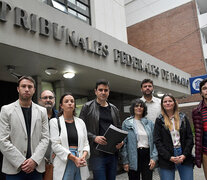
(69, 75)
(51, 71)
(11, 69)
(159, 94)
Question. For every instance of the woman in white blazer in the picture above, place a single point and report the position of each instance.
(69, 142)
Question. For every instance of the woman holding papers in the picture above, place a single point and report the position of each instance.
(138, 153)
(69, 142)
(174, 141)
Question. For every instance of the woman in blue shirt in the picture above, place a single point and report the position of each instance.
(139, 153)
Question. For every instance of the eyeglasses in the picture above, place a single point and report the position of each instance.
(47, 97)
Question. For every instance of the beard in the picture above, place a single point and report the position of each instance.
(148, 93)
(25, 98)
(49, 106)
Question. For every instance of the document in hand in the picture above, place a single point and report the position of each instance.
(113, 136)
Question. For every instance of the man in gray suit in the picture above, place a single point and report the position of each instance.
(24, 135)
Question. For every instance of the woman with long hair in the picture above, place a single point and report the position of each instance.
(174, 141)
(138, 153)
(69, 142)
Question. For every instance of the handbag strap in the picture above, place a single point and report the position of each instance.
(59, 127)
(52, 153)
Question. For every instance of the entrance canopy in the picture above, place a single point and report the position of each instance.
(34, 37)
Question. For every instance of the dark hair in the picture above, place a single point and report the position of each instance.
(174, 100)
(146, 81)
(137, 102)
(61, 102)
(28, 78)
(202, 83)
(102, 81)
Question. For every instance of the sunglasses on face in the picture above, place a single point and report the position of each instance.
(138, 105)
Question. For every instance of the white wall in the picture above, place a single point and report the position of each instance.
(140, 10)
(205, 51)
(109, 16)
(202, 20)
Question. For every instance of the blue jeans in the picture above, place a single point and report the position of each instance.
(104, 167)
(24, 176)
(71, 171)
(185, 171)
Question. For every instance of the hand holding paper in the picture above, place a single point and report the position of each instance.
(114, 140)
(100, 140)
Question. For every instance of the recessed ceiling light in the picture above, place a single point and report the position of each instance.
(69, 75)
(51, 71)
(159, 94)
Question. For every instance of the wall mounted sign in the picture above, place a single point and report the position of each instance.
(195, 83)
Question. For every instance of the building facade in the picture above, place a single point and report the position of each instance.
(173, 31)
(46, 39)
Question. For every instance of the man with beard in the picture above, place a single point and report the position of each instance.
(24, 135)
(153, 107)
(153, 103)
(98, 115)
(47, 100)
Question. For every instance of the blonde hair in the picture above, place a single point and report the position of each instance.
(167, 120)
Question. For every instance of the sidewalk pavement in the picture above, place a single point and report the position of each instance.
(198, 175)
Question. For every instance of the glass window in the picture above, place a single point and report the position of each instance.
(72, 1)
(59, 6)
(72, 12)
(77, 8)
(81, 6)
(82, 17)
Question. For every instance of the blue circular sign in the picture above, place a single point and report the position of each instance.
(196, 83)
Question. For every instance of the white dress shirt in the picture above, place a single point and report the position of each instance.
(153, 108)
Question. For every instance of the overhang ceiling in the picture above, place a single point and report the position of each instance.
(33, 64)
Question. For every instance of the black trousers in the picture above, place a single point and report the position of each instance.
(143, 155)
(2, 175)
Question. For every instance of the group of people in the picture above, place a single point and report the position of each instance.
(158, 136)
(167, 142)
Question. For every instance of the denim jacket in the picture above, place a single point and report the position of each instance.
(129, 150)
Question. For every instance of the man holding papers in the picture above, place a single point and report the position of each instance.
(98, 115)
